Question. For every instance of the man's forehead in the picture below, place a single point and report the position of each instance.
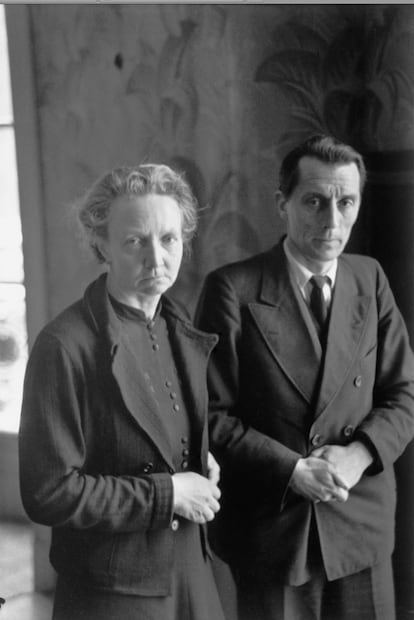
(313, 172)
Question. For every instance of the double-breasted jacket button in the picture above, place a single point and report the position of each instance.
(316, 440)
(170, 470)
(175, 525)
(348, 431)
(184, 464)
(148, 467)
(358, 381)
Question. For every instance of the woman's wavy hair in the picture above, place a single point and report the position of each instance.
(94, 207)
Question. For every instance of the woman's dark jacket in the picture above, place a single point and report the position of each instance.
(95, 460)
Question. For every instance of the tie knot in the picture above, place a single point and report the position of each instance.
(319, 281)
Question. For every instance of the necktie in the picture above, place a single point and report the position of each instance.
(318, 303)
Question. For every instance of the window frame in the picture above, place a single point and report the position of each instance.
(28, 165)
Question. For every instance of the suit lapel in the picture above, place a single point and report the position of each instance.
(139, 400)
(192, 349)
(346, 326)
(135, 392)
(282, 325)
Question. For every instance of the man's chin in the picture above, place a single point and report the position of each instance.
(328, 252)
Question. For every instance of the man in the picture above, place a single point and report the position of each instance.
(309, 412)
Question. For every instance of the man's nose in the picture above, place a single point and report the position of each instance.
(332, 214)
(153, 254)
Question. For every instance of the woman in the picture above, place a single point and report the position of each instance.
(113, 438)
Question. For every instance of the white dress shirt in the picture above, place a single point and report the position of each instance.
(300, 276)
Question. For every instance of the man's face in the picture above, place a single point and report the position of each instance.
(321, 211)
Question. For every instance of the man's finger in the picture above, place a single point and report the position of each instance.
(340, 481)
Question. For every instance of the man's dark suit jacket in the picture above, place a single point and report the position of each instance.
(274, 399)
(95, 458)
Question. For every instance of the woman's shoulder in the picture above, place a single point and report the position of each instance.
(81, 319)
(69, 327)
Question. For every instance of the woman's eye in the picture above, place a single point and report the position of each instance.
(169, 239)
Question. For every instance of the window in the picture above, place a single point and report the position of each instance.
(13, 331)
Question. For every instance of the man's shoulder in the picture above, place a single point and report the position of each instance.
(363, 272)
(249, 268)
(360, 264)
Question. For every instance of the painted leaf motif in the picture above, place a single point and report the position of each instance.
(179, 107)
(345, 57)
(293, 34)
(173, 56)
(289, 66)
(142, 79)
(339, 113)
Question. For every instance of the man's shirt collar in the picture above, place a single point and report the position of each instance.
(301, 274)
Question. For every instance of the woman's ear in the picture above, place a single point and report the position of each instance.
(102, 248)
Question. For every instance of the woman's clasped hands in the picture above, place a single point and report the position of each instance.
(196, 498)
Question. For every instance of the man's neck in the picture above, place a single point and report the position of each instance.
(316, 267)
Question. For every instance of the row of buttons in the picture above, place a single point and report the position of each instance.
(155, 345)
(173, 395)
(168, 383)
(148, 467)
(347, 431)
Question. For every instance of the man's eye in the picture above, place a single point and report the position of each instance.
(134, 241)
(313, 202)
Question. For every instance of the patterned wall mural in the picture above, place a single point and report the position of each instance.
(164, 83)
(220, 92)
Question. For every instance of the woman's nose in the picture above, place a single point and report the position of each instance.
(153, 255)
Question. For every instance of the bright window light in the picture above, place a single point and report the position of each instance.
(13, 331)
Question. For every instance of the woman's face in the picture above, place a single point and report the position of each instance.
(144, 248)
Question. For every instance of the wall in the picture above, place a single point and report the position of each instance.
(126, 84)
(219, 91)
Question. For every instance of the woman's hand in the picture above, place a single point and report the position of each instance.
(195, 497)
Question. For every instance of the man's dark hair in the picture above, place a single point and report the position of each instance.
(325, 148)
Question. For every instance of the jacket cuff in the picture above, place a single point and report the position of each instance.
(288, 491)
(376, 466)
(163, 500)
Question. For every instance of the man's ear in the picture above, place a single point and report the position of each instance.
(281, 202)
